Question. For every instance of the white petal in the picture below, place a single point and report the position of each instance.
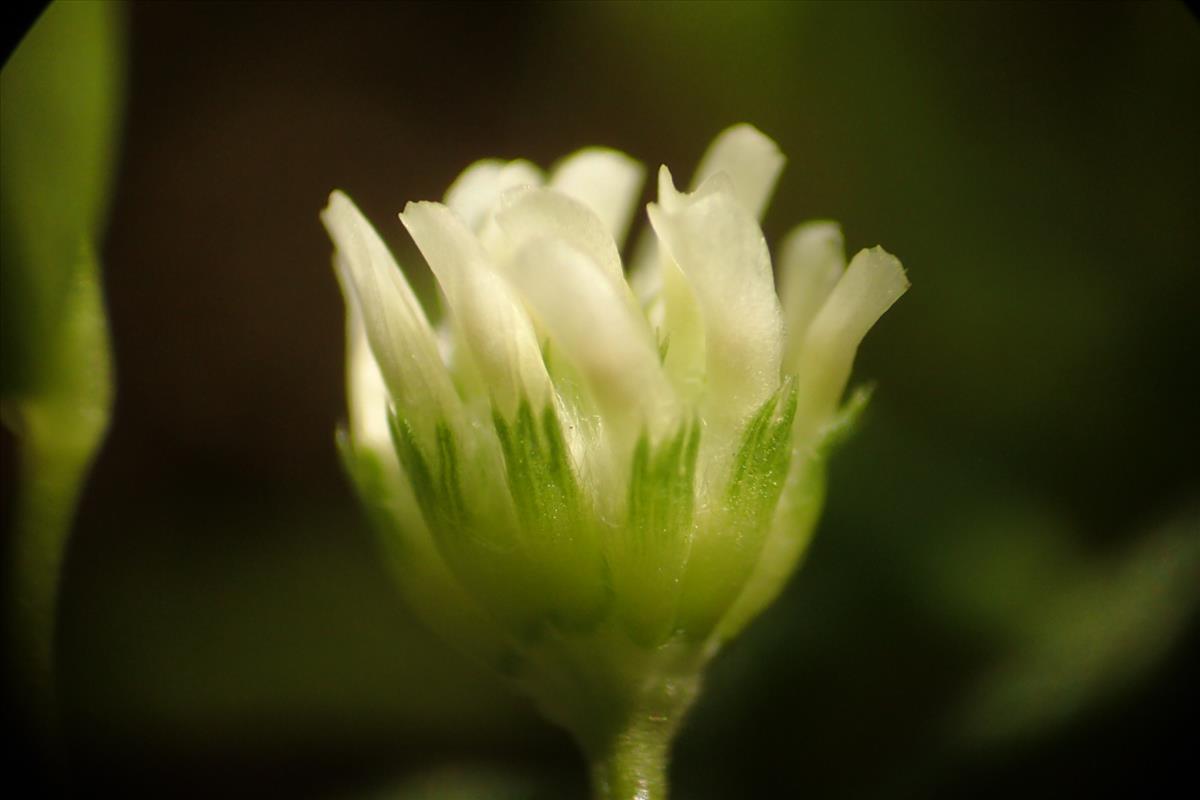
(645, 273)
(874, 281)
(476, 192)
(720, 250)
(648, 266)
(528, 214)
(751, 162)
(750, 158)
(401, 339)
(671, 199)
(812, 259)
(366, 393)
(597, 331)
(494, 326)
(606, 181)
(682, 333)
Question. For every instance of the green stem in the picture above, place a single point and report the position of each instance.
(52, 470)
(59, 425)
(634, 765)
(44, 505)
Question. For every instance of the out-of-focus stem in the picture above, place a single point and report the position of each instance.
(58, 428)
(49, 479)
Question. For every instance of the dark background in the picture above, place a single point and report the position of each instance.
(1000, 600)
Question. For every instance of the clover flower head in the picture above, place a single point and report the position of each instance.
(588, 476)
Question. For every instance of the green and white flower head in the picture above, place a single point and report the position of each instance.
(591, 478)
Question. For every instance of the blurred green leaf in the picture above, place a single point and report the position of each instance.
(1104, 627)
(62, 92)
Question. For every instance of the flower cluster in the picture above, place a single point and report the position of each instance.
(587, 476)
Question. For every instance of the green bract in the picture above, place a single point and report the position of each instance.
(588, 482)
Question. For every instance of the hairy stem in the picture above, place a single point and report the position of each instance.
(634, 765)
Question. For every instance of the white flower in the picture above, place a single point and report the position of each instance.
(567, 469)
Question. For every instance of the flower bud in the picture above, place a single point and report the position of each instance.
(586, 486)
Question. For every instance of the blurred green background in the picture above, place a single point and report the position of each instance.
(1001, 597)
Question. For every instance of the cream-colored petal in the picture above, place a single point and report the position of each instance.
(592, 325)
(476, 192)
(366, 393)
(493, 323)
(873, 281)
(401, 339)
(721, 251)
(645, 271)
(671, 199)
(682, 333)
(529, 214)
(648, 265)
(811, 261)
(606, 181)
(751, 163)
(750, 158)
